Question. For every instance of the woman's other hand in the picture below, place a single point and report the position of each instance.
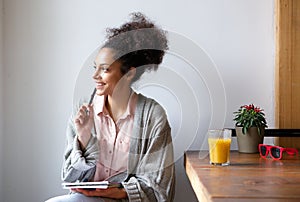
(84, 122)
(115, 193)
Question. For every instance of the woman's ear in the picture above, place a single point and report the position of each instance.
(131, 73)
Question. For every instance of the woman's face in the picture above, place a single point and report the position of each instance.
(107, 72)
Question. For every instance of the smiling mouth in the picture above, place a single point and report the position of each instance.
(99, 85)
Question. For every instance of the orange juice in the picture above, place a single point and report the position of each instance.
(219, 150)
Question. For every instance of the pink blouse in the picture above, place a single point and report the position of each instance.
(113, 138)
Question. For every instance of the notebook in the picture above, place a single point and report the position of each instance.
(91, 185)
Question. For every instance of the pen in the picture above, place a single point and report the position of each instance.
(92, 96)
(91, 100)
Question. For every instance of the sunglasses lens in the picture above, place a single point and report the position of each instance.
(275, 152)
(263, 150)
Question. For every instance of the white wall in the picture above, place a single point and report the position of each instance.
(1, 99)
(47, 42)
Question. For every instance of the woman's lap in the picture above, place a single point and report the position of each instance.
(78, 198)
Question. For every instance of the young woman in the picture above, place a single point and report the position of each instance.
(122, 137)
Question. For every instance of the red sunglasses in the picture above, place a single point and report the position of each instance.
(275, 151)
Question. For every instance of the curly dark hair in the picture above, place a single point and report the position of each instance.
(138, 43)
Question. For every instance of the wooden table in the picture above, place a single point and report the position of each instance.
(247, 178)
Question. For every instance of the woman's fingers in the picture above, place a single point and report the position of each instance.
(82, 114)
(83, 110)
(91, 111)
(80, 119)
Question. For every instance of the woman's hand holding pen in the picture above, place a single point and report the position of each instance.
(84, 122)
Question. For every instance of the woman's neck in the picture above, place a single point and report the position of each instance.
(117, 103)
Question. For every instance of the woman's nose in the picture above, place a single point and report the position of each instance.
(97, 74)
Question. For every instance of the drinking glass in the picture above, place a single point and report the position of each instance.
(219, 146)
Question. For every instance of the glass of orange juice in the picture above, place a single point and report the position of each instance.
(219, 146)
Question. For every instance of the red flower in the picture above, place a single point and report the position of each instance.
(249, 107)
(257, 109)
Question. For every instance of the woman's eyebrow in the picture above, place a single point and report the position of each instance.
(102, 64)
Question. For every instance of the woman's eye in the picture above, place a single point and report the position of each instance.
(104, 69)
(101, 69)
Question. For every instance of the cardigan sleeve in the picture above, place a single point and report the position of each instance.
(79, 164)
(151, 160)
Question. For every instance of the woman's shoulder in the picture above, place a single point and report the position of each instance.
(142, 99)
(147, 104)
(152, 113)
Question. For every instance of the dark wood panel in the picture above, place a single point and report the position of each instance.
(278, 132)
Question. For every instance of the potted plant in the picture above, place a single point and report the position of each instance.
(250, 128)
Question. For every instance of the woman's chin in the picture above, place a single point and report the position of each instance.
(100, 92)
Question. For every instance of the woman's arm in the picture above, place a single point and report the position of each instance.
(79, 163)
(151, 159)
(154, 178)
